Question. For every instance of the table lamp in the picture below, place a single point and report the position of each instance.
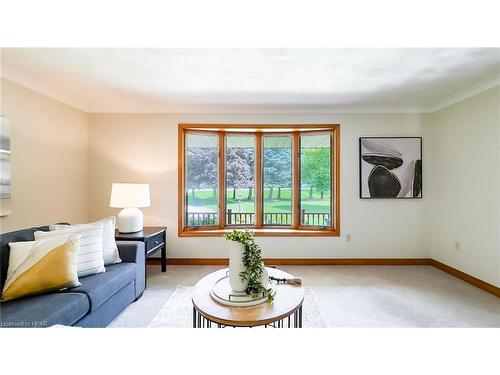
(130, 197)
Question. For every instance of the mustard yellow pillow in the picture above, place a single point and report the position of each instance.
(41, 266)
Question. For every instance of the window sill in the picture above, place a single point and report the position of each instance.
(269, 232)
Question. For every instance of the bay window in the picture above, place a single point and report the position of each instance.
(273, 179)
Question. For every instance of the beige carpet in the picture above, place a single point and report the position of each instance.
(177, 311)
(350, 296)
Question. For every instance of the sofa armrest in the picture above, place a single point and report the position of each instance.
(133, 252)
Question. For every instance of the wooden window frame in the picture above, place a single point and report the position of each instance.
(295, 130)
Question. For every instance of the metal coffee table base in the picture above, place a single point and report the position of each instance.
(293, 320)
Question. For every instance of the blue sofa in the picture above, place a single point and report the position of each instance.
(95, 303)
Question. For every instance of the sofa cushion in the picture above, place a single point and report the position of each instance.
(44, 310)
(102, 286)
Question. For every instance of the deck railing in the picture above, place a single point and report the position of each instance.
(239, 218)
(321, 219)
(277, 218)
(196, 219)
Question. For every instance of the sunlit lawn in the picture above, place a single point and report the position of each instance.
(205, 202)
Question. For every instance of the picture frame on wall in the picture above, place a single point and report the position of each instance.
(5, 167)
(390, 167)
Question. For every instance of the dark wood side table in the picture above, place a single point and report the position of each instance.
(154, 238)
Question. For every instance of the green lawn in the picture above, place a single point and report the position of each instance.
(204, 201)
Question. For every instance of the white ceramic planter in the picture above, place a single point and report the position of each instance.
(236, 266)
(264, 278)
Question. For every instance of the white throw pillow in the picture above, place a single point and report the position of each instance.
(109, 249)
(90, 260)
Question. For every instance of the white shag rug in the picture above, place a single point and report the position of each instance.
(177, 312)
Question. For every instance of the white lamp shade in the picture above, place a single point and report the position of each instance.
(129, 195)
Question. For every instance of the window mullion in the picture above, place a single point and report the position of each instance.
(296, 181)
(259, 189)
(222, 181)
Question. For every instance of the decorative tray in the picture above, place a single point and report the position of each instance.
(221, 292)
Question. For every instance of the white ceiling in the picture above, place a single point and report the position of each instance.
(254, 80)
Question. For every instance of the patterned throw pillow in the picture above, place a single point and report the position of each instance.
(109, 248)
(90, 260)
(41, 266)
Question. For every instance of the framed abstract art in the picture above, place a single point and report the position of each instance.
(390, 167)
(5, 164)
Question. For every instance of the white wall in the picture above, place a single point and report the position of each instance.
(464, 188)
(143, 148)
(49, 159)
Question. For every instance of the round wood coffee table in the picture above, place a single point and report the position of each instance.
(285, 311)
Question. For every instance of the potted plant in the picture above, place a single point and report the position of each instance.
(247, 272)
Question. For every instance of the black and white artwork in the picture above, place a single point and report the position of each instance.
(390, 167)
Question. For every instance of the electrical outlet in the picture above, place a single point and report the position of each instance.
(348, 237)
(457, 245)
